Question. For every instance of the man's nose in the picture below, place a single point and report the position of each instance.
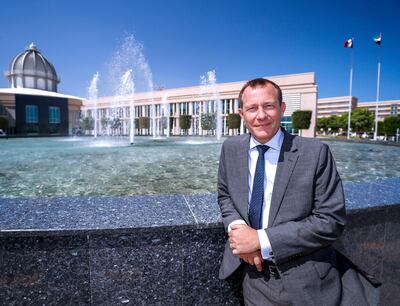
(261, 114)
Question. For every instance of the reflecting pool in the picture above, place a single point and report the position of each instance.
(35, 167)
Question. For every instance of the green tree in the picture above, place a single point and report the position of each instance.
(322, 124)
(381, 128)
(334, 123)
(144, 122)
(86, 123)
(362, 120)
(185, 121)
(391, 124)
(164, 122)
(104, 122)
(233, 121)
(344, 121)
(115, 123)
(301, 119)
(4, 123)
(208, 121)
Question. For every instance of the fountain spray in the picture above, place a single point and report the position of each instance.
(209, 87)
(127, 89)
(93, 93)
(166, 113)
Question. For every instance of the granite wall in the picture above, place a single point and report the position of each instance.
(160, 250)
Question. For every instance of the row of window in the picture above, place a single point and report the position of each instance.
(32, 114)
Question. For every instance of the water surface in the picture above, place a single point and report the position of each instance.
(32, 167)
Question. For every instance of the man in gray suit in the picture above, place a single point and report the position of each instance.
(282, 204)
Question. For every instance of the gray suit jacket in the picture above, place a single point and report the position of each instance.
(307, 215)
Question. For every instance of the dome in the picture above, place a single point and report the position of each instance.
(30, 69)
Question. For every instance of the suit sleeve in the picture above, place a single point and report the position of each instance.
(228, 210)
(326, 222)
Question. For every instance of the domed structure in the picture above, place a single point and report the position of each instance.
(30, 69)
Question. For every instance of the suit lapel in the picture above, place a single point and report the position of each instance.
(243, 177)
(287, 160)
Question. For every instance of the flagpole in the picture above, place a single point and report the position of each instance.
(350, 91)
(377, 92)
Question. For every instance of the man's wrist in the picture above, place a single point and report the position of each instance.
(239, 221)
(265, 245)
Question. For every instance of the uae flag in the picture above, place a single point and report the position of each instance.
(348, 43)
(378, 39)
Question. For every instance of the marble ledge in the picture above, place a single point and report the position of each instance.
(106, 215)
(111, 215)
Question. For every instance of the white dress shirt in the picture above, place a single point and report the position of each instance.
(271, 163)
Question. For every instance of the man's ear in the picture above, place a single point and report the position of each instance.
(240, 112)
(283, 108)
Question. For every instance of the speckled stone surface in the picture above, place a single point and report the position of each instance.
(137, 269)
(203, 251)
(78, 215)
(363, 240)
(204, 209)
(44, 271)
(391, 260)
(372, 194)
(161, 250)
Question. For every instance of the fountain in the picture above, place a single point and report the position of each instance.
(129, 57)
(210, 90)
(92, 95)
(127, 90)
(177, 165)
(165, 113)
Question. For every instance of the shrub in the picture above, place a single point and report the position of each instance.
(185, 121)
(391, 124)
(4, 123)
(144, 122)
(233, 121)
(208, 121)
(87, 123)
(301, 119)
(362, 120)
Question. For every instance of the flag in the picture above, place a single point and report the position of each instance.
(348, 43)
(378, 39)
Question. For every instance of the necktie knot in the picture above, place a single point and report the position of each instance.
(262, 149)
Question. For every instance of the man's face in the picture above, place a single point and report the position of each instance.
(261, 112)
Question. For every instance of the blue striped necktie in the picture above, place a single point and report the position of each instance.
(257, 194)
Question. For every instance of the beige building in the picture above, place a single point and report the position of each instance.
(340, 105)
(299, 93)
(335, 106)
(385, 108)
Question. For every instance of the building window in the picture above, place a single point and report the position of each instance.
(54, 114)
(31, 114)
(393, 110)
(286, 122)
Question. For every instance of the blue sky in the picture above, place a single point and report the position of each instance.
(182, 39)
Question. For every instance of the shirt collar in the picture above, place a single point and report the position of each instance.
(274, 143)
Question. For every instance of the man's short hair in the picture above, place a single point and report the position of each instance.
(259, 82)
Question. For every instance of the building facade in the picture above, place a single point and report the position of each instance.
(32, 106)
(327, 107)
(386, 108)
(299, 93)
